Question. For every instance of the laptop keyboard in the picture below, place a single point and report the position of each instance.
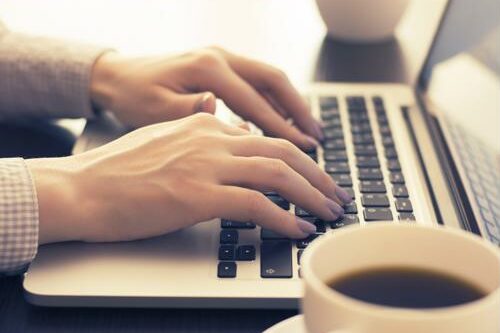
(360, 155)
(482, 170)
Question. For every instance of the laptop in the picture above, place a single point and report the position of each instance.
(427, 153)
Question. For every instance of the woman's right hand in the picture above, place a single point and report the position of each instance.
(168, 176)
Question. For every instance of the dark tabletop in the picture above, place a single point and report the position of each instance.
(287, 34)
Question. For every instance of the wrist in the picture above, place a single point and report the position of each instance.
(58, 206)
(104, 73)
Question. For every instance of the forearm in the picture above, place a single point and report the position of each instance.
(44, 77)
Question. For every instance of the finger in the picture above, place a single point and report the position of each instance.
(187, 104)
(268, 174)
(243, 99)
(300, 162)
(252, 206)
(279, 87)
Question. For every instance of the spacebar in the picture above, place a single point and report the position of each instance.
(276, 259)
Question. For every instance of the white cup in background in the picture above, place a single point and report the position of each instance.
(453, 252)
(364, 21)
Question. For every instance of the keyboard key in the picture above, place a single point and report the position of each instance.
(299, 255)
(372, 186)
(276, 259)
(333, 133)
(301, 212)
(334, 144)
(226, 252)
(370, 174)
(358, 117)
(313, 156)
(345, 220)
(333, 122)
(229, 224)
(400, 191)
(362, 139)
(367, 162)
(330, 113)
(266, 234)
(378, 101)
(280, 202)
(246, 252)
(303, 243)
(328, 102)
(361, 129)
(385, 130)
(365, 150)
(228, 236)
(226, 269)
(335, 156)
(351, 208)
(396, 178)
(374, 200)
(356, 102)
(342, 179)
(320, 226)
(391, 153)
(393, 165)
(337, 167)
(406, 217)
(377, 214)
(404, 205)
(350, 191)
(388, 142)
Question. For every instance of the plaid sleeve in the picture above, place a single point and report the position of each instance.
(18, 216)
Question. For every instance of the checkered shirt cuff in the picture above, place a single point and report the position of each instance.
(18, 216)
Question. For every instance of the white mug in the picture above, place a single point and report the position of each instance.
(445, 250)
(361, 20)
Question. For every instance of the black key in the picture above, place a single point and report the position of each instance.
(226, 269)
(391, 153)
(246, 252)
(226, 252)
(387, 141)
(397, 178)
(267, 234)
(342, 179)
(351, 208)
(333, 133)
(279, 201)
(320, 226)
(406, 217)
(335, 156)
(393, 165)
(372, 186)
(313, 156)
(382, 119)
(399, 191)
(385, 130)
(367, 162)
(356, 102)
(378, 101)
(365, 150)
(362, 139)
(374, 200)
(361, 128)
(345, 220)
(328, 102)
(377, 214)
(333, 122)
(300, 212)
(370, 174)
(228, 236)
(330, 113)
(350, 191)
(276, 259)
(404, 205)
(334, 144)
(229, 224)
(303, 243)
(299, 254)
(337, 167)
(358, 117)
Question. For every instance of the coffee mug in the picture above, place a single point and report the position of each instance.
(452, 252)
(361, 20)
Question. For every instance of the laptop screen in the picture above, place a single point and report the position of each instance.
(462, 72)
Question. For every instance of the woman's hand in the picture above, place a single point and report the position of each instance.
(144, 91)
(168, 176)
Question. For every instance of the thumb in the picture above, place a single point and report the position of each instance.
(194, 103)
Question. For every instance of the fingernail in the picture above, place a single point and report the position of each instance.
(343, 195)
(336, 209)
(305, 226)
(312, 141)
(205, 103)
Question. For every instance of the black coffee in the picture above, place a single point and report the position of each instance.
(407, 288)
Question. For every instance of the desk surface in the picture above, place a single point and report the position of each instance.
(288, 34)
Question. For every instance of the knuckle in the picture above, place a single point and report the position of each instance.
(278, 75)
(286, 149)
(207, 59)
(279, 170)
(205, 119)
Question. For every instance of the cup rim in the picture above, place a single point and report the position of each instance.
(312, 281)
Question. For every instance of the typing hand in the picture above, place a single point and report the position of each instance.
(168, 176)
(144, 91)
